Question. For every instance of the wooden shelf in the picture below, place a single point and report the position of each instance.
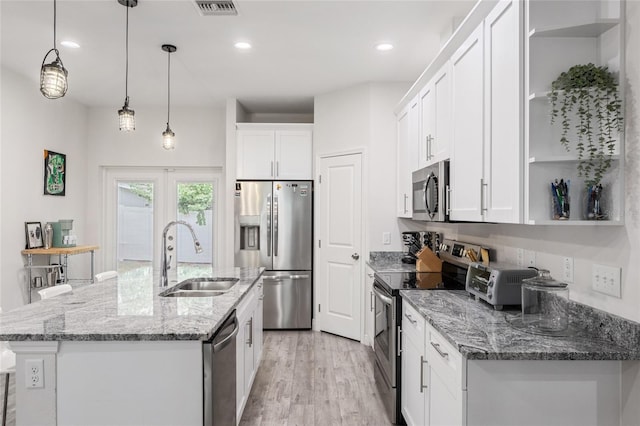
(60, 250)
(592, 29)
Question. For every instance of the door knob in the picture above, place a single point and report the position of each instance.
(355, 256)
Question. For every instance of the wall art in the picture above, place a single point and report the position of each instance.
(55, 173)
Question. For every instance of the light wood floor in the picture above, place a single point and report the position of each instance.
(310, 378)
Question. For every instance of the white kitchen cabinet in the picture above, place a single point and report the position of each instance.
(466, 168)
(414, 392)
(369, 327)
(408, 128)
(248, 345)
(274, 151)
(486, 171)
(435, 118)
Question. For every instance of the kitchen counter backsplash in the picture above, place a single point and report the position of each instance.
(389, 261)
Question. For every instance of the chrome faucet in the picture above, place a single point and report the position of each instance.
(165, 260)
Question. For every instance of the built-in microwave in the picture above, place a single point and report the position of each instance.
(431, 193)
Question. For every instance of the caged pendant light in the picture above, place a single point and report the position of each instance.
(168, 137)
(126, 116)
(53, 76)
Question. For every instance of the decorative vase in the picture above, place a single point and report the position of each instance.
(595, 203)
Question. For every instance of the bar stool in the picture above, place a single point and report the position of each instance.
(54, 291)
(106, 275)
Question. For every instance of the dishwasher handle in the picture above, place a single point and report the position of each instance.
(223, 344)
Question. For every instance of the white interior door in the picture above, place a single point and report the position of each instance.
(339, 267)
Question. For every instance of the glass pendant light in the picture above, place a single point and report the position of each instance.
(168, 137)
(53, 76)
(126, 115)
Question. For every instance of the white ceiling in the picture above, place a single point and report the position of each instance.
(300, 48)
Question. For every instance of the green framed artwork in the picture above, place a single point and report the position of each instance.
(55, 165)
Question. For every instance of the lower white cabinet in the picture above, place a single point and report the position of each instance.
(414, 398)
(248, 345)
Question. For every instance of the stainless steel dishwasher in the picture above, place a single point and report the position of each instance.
(219, 375)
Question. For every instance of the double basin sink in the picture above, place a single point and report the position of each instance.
(200, 287)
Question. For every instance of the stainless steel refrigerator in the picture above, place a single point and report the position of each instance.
(274, 229)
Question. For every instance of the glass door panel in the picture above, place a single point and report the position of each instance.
(135, 214)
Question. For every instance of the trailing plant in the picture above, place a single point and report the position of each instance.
(591, 93)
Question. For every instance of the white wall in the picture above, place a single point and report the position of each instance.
(607, 245)
(31, 124)
(200, 142)
(361, 117)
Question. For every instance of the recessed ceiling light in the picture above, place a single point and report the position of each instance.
(383, 47)
(69, 43)
(242, 45)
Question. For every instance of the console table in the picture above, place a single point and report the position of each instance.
(63, 255)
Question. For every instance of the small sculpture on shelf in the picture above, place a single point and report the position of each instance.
(585, 99)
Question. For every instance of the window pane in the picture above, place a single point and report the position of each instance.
(135, 229)
(195, 206)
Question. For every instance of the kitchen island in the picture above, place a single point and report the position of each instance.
(117, 353)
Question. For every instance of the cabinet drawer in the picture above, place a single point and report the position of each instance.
(446, 361)
(413, 324)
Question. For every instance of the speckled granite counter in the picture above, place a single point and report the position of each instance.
(126, 309)
(389, 261)
(482, 333)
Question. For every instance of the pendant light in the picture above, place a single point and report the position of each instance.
(126, 116)
(53, 76)
(168, 137)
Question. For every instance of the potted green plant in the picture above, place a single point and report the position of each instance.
(585, 98)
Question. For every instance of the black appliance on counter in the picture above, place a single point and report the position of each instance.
(388, 317)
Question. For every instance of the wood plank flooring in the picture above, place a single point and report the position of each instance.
(310, 378)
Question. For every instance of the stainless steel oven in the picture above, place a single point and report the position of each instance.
(431, 193)
(387, 354)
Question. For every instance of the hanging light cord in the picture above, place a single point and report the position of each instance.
(168, 87)
(54, 24)
(126, 72)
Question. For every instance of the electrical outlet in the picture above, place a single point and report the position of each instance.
(529, 258)
(34, 373)
(520, 257)
(606, 280)
(567, 269)
(386, 238)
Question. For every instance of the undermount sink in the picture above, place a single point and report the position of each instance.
(200, 287)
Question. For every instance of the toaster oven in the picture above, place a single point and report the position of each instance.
(498, 284)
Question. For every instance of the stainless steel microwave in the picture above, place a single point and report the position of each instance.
(431, 193)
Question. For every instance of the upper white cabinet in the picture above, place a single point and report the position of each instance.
(466, 168)
(435, 119)
(558, 36)
(487, 149)
(274, 151)
(408, 128)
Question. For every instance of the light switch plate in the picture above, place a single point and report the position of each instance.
(529, 258)
(606, 280)
(520, 257)
(386, 238)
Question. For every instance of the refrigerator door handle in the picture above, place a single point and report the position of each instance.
(275, 226)
(269, 225)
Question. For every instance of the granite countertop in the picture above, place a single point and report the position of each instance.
(389, 261)
(479, 332)
(126, 308)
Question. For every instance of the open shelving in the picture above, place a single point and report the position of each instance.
(560, 35)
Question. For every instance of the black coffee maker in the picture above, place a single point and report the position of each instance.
(412, 245)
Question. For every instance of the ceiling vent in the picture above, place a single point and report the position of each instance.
(216, 7)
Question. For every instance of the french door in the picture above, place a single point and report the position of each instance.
(140, 203)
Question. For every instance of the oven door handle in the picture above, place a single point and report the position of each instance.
(386, 299)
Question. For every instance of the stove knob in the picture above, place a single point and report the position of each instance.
(489, 295)
(491, 283)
